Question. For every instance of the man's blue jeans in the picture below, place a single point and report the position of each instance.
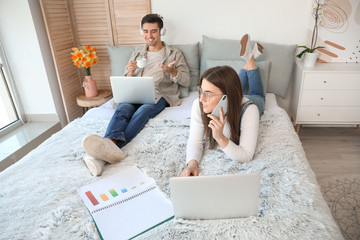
(129, 119)
(253, 87)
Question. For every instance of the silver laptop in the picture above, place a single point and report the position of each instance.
(215, 197)
(133, 89)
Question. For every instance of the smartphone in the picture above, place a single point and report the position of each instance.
(222, 103)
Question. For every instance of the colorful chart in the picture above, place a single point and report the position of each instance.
(113, 194)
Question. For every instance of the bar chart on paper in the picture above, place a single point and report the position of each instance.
(128, 203)
(115, 188)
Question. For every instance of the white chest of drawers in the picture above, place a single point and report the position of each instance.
(329, 93)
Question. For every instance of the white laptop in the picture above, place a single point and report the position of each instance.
(133, 89)
(215, 197)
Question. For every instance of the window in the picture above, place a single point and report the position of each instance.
(10, 110)
(8, 114)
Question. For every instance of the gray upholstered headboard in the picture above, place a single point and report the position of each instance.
(282, 58)
(275, 64)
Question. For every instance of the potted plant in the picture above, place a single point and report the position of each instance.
(309, 52)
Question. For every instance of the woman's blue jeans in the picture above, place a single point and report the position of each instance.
(129, 119)
(253, 87)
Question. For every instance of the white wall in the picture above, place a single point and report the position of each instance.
(47, 60)
(341, 25)
(276, 21)
(21, 44)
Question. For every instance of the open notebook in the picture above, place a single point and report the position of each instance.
(126, 204)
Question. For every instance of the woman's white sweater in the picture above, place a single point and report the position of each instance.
(243, 152)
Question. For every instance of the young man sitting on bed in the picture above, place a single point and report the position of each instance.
(236, 131)
(168, 68)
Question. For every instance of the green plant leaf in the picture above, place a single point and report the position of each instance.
(302, 47)
(303, 52)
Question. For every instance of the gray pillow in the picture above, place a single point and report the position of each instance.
(264, 67)
(282, 59)
(119, 58)
(192, 58)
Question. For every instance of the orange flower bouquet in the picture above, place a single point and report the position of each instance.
(85, 57)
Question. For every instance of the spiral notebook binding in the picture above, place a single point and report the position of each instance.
(124, 200)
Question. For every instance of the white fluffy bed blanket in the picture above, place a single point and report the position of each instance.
(38, 198)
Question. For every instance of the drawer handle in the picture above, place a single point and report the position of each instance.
(318, 114)
(322, 98)
(324, 81)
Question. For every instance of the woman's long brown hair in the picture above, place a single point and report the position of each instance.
(228, 81)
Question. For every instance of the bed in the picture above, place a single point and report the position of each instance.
(39, 200)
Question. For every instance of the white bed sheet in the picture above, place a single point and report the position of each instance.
(183, 111)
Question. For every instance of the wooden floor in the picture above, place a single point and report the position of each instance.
(331, 150)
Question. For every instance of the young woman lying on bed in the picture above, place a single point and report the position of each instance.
(236, 131)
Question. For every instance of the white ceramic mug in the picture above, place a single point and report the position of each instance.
(141, 63)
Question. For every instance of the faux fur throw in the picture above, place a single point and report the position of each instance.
(38, 198)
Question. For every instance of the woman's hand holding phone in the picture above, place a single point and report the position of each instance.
(217, 127)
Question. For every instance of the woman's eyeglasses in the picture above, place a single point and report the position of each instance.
(207, 95)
